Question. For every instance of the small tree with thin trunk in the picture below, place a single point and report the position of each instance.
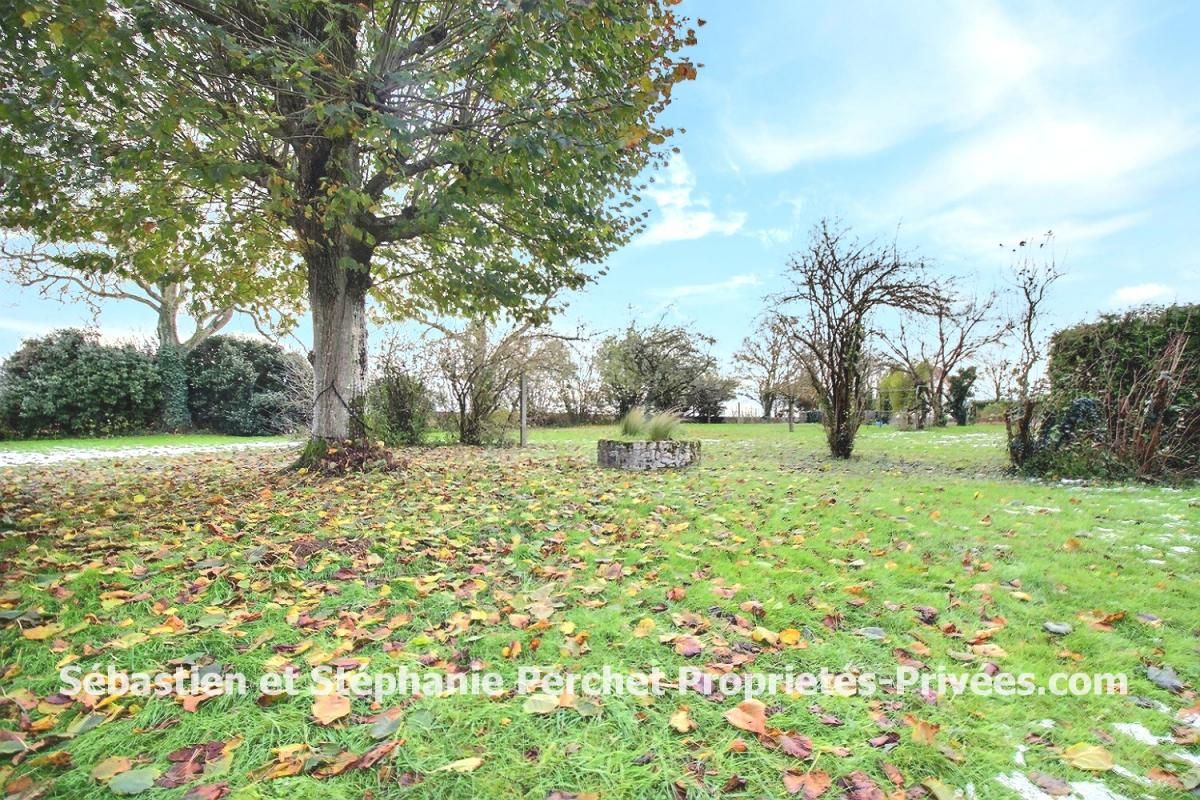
(480, 366)
(944, 341)
(838, 283)
(1034, 272)
(764, 360)
(998, 372)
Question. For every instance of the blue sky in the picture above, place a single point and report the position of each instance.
(961, 125)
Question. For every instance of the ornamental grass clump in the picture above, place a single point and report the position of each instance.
(633, 424)
(662, 426)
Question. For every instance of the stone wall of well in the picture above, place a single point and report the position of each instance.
(647, 455)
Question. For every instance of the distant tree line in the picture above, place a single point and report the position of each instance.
(862, 331)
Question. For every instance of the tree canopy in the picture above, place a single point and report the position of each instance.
(446, 156)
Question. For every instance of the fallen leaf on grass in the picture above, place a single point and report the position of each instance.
(1049, 784)
(134, 781)
(42, 632)
(1088, 756)
(462, 765)
(208, 791)
(749, 715)
(859, 786)
(922, 732)
(682, 721)
(327, 708)
(795, 745)
(809, 785)
(110, 767)
(540, 703)
(940, 790)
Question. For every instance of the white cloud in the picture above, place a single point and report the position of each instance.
(695, 290)
(1085, 159)
(1141, 293)
(983, 228)
(682, 216)
(772, 236)
(914, 68)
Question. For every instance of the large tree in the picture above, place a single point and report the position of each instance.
(837, 286)
(445, 156)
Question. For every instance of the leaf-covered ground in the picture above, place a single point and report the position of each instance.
(767, 557)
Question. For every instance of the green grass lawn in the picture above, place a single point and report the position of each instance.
(117, 442)
(765, 558)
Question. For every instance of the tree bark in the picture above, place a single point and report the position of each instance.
(337, 296)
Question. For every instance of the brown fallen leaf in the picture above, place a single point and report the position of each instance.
(1049, 784)
(191, 702)
(795, 745)
(207, 791)
(327, 708)
(922, 732)
(809, 785)
(749, 715)
(859, 786)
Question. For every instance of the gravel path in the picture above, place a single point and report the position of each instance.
(58, 455)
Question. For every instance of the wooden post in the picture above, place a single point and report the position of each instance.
(524, 426)
(791, 417)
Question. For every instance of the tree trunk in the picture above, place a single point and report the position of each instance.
(768, 405)
(338, 298)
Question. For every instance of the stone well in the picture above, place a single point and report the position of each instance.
(647, 455)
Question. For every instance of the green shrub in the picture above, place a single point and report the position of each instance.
(1072, 443)
(246, 387)
(992, 412)
(172, 373)
(69, 384)
(662, 426)
(399, 406)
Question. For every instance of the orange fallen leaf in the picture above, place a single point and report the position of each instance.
(327, 708)
(809, 784)
(749, 715)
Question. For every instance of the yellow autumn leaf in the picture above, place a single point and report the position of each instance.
(643, 628)
(682, 720)
(1088, 756)
(764, 636)
(42, 632)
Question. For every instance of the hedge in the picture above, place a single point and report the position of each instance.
(69, 384)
